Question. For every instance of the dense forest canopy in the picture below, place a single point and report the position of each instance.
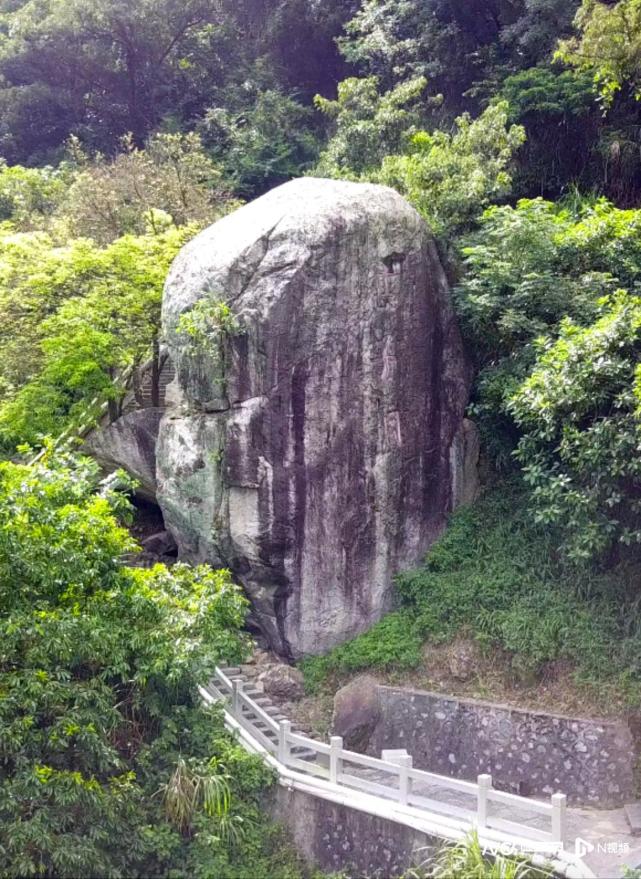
(126, 126)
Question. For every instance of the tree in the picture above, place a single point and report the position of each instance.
(579, 412)
(462, 49)
(102, 734)
(534, 34)
(171, 181)
(548, 99)
(115, 66)
(73, 317)
(528, 268)
(608, 45)
(438, 40)
(368, 125)
(263, 144)
(110, 67)
(449, 178)
(29, 196)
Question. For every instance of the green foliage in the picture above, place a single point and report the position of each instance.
(102, 70)
(496, 574)
(468, 860)
(367, 125)
(450, 178)
(171, 181)
(109, 765)
(526, 269)
(608, 45)
(263, 144)
(207, 324)
(458, 47)
(547, 90)
(547, 98)
(112, 67)
(579, 411)
(72, 317)
(395, 642)
(28, 196)
(474, 53)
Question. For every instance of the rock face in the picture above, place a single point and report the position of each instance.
(130, 442)
(465, 452)
(308, 440)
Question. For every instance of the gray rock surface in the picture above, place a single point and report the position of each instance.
(308, 443)
(466, 452)
(283, 682)
(161, 543)
(357, 712)
(129, 443)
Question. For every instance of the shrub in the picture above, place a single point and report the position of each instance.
(527, 268)
(395, 642)
(170, 182)
(101, 729)
(579, 413)
(451, 178)
(72, 317)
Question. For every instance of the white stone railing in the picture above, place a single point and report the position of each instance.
(393, 777)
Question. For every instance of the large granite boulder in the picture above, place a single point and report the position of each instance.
(308, 438)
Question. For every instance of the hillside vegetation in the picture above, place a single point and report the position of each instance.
(514, 128)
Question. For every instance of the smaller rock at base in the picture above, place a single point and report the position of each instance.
(357, 712)
(160, 543)
(463, 660)
(633, 816)
(283, 682)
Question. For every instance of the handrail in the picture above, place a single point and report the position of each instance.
(80, 431)
(89, 416)
(335, 763)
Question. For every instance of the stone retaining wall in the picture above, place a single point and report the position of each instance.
(531, 753)
(337, 839)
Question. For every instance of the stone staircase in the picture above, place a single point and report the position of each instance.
(167, 374)
(254, 689)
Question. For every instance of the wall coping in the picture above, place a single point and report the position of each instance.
(504, 706)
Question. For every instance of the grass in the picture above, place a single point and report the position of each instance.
(467, 860)
(498, 576)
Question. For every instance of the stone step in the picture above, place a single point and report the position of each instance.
(303, 753)
(232, 670)
(266, 731)
(270, 709)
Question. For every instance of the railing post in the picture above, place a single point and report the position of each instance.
(404, 779)
(559, 802)
(284, 729)
(484, 784)
(236, 690)
(335, 751)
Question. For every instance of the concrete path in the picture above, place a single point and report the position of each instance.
(607, 831)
